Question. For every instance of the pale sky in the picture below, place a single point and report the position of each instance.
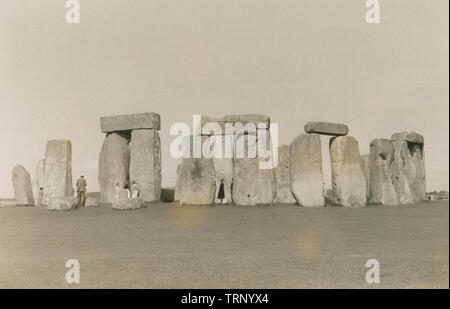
(294, 60)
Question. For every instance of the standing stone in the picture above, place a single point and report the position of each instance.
(306, 176)
(381, 164)
(113, 165)
(415, 162)
(402, 170)
(58, 169)
(252, 185)
(38, 182)
(196, 182)
(283, 191)
(365, 168)
(326, 128)
(22, 186)
(145, 163)
(349, 184)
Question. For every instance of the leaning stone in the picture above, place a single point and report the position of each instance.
(196, 183)
(252, 185)
(349, 184)
(38, 182)
(130, 122)
(326, 128)
(22, 186)
(306, 176)
(113, 166)
(381, 163)
(145, 163)
(58, 169)
(127, 203)
(62, 203)
(283, 190)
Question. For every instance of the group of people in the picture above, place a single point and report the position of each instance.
(133, 194)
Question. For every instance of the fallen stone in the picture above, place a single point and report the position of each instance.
(349, 184)
(130, 122)
(306, 176)
(58, 169)
(381, 163)
(127, 203)
(326, 128)
(91, 202)
(38, 182)
(22, 186)
(8, 203)
(62, 203)
(145, 163)
(282, 176)
(114, 166)
(196, 183)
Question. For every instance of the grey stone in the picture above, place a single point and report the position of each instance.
(22, 186)
(306, 176)
(326, 128)
(62, 203)
(38, 182)
(234, 119)
(130, 122)
(92, 202)
(58, 169)
(8, 203)
(411, 137)
(381, 164)
(145, 163)
(196, 183)
(252, 185)
(127, 203)
(402, 172)
(282, 176)
(114, 165)
(349, 184)
(365, 168)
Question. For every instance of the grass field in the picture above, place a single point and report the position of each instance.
(169, 246)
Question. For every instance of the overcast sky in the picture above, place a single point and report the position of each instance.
(296, 61)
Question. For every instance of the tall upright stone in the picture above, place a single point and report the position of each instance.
(114, 165)
(145, 163)
(58, 169)
(349, 184)
(252, 184)
(365, 168)
(411, 147)
(22, 186)
(381, 164)
(282, 175)
(402, 172)
(306, 176)
(38, 182)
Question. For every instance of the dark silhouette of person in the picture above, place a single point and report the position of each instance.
(221, 194)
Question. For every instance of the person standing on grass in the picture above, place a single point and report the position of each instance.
(81, 191)
(221, 194)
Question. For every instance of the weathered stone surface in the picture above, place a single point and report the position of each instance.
(196, 182)
(61, 203)
(326, 128)
(411, 137)
(402, 169)
(349, 184)
(58, 169)
(8, 203)
(113, 166)
(414, 162)
(252, 185)
(22, 186)
(92, 202)
(381, 165)
(130, 122)
(127, 203)
(365, 168)
(38, 182)
(282, 176)
(145, 163)
(234, 119)
(306, 176)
